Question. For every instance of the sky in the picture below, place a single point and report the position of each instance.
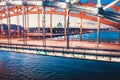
(74, 22)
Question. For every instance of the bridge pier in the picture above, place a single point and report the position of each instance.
(24, 25)
(51, 32)
(38, 17)
(118, 36)
(18, 26)
(43, 26)
(27, 25)
(67, 27)
(64, 27)
(98, 33)
(80, 29)
(1, 27)
(8, 24)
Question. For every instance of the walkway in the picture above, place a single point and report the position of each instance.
(78, 44)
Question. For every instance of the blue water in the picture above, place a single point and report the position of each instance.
(17, 66)
(105, 36)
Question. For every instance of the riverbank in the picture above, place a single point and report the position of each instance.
(56, 32)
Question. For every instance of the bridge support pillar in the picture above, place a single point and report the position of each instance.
(24, 25)
(80, 29)
(51, 33)
(43, 26)
(67, 27)
(98, 33)
(18, 26)
(8, 24)
(64, 27)
(118, 36)
(27, 25)
(1, 27)
(38, 17)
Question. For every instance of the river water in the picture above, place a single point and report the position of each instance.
(105, 36)
(17, 66)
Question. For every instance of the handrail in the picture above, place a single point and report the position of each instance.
(70, 50)
(62, 47)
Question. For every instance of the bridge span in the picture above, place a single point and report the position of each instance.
(96, 12)
(72, 52)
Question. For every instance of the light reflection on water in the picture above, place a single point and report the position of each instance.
(16, 66)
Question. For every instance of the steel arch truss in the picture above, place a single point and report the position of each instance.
(17, 10)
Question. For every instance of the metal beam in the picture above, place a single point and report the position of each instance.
(81, 8)
(43, 26)
(98, 33)
(80, 29)
(111, 4)
(51, 33)
(99, 5)
(18, 26)
(22, 2)
(27, 24)
(64, 27)
(1, 27)
(38, 17)
(67, 27)
(24, 24)
(8, 24)
(118, 36)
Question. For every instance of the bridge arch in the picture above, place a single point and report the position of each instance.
(17, 10)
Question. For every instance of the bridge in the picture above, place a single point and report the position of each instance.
(66, 48)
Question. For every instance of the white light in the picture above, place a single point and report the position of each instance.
(74, 1)
(37, 3)
(2, 3)
(67, 1)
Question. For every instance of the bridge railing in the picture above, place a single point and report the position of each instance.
(70, 50)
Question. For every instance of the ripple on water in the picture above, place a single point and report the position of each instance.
(17, 66)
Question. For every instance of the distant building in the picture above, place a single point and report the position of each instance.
(59, 25)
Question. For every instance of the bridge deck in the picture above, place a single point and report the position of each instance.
(78, 49)
(62, 43)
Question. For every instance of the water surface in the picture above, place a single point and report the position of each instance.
(105, 36)
(17, 66)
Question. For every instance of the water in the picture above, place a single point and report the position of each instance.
(105, 36)
(17, 66)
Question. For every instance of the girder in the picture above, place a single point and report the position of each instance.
(111, 4)
(17, 10)
(115, 8)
